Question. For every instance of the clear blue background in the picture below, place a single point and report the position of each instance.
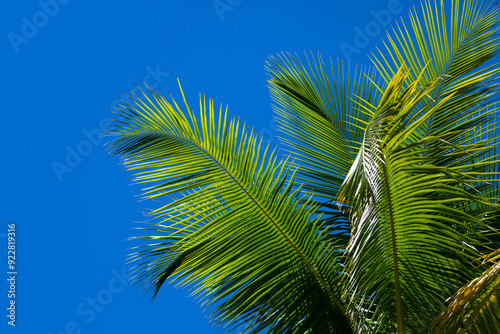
(63, 80)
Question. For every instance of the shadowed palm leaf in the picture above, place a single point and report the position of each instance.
(320, 116)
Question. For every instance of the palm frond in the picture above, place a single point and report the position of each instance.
(321, 117)
(238, 231)
(411, 243)
(454, 47)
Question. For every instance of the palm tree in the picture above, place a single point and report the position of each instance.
(383, 217)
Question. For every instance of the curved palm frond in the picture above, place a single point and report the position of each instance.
(238, 229)
(475, 308)
(320, 116)
(411, 241)
(454, 48)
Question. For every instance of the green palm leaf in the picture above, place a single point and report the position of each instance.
(321, 117)
(238, 229)
(411, 242)
(453, 47)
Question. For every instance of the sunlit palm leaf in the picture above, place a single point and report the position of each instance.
(454, 47)
(238, 229)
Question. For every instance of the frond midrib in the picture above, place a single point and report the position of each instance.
(395, 259)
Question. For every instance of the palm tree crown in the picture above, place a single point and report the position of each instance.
(382, 218)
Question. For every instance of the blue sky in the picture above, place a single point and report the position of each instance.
(64, 65)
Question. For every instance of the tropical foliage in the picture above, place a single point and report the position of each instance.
(382, 217)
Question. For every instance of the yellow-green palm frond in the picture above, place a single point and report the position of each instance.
(454, 45)
(237, 228)
(475, 308)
